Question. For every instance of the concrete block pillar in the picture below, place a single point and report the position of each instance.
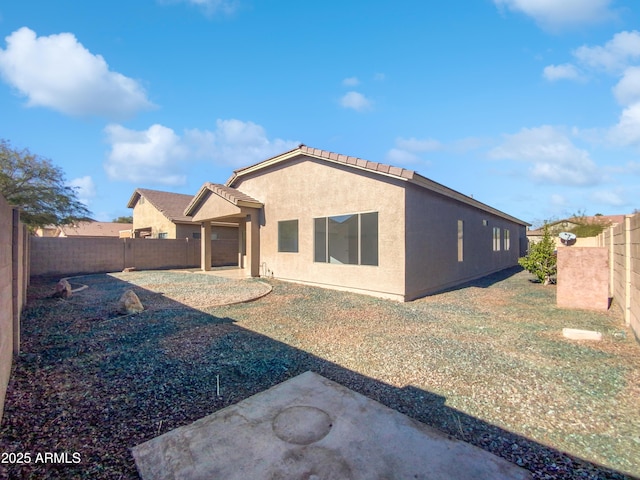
(205, 250)
(242, 235)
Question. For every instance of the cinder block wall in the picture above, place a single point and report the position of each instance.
(6, 298)
(66, 256)
(14, 274)
(623, 242)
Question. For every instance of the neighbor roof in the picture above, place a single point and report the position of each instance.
(171, 205)
(95, 229)
(607, 220)
(378, 168)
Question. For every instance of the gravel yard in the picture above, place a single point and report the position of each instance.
(486, 364)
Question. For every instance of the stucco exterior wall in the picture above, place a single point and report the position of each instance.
(432, 242)
(308, 189)
(146, 215)
(583, 278)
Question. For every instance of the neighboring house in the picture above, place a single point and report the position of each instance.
(158, 214)
(87, 230)
(569, 224)
(321, 218)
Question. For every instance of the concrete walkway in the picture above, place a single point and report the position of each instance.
(312, 428)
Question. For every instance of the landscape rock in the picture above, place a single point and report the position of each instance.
(575, 334)
(129, 303)
(63, 289)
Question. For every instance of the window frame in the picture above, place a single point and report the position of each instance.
(295, 237)
(322, 240)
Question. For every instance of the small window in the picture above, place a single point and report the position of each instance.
(460, 240)
(485, 223)
(196, 235)
(507, 240)
(496, 239)
(214, 236)
(163, 234)
(288, 236)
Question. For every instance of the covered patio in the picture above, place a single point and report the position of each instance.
(219, 203)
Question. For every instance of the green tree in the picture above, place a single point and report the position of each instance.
(128, 219)
(38, 188)
(541, 258)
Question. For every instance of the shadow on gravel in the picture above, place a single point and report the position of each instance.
(485, 282)
(95, 383)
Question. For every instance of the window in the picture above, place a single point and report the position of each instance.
(460, 240)
(346, 239)
(485, 223)
(196, 235)
(163, 234)
(496, 239)
(288, 236)
(507, 240)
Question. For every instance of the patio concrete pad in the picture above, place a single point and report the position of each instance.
(312, 428)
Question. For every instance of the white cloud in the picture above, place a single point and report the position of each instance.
(627, 91)
(614, 56)
(627, 130)
(557, 14)
(209, 7)
(553, 156)
(351, 81)
(612, 198)
(356, 101)
(59, 73)
(565, 71)
(152, 155)
(407, 149)
(558, 200)
(236, 143)
(84, 187)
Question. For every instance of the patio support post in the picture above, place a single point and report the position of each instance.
(205, 246)
(253, 243)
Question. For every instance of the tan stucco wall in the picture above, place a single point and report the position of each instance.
(308, 189)
(583, 278)
(432, 242)
(146, 215)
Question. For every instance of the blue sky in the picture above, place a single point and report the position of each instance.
(530, 106)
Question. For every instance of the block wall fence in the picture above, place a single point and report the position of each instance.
(14, 277)
(623, 242)
(66, 256)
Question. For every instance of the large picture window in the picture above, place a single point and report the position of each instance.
(288, 236)
(346, 239)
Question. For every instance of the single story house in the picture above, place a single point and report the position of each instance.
(160, 215)
(326, 219)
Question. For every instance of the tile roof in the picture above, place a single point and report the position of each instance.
(332, 157)
(233, 195)
(228, 193)
(380, 168)
(94, 229)
(171, 205)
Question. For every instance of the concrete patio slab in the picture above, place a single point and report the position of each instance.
(312, 428)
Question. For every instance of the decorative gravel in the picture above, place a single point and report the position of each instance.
(486, 364)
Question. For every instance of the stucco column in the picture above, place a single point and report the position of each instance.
(242, 228)
(253, 243)
(205, 246)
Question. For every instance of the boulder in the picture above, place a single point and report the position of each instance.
(63, 289)
(129, 303)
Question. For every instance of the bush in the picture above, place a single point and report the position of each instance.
(541, 259)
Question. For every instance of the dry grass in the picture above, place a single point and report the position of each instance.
(485, 363)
